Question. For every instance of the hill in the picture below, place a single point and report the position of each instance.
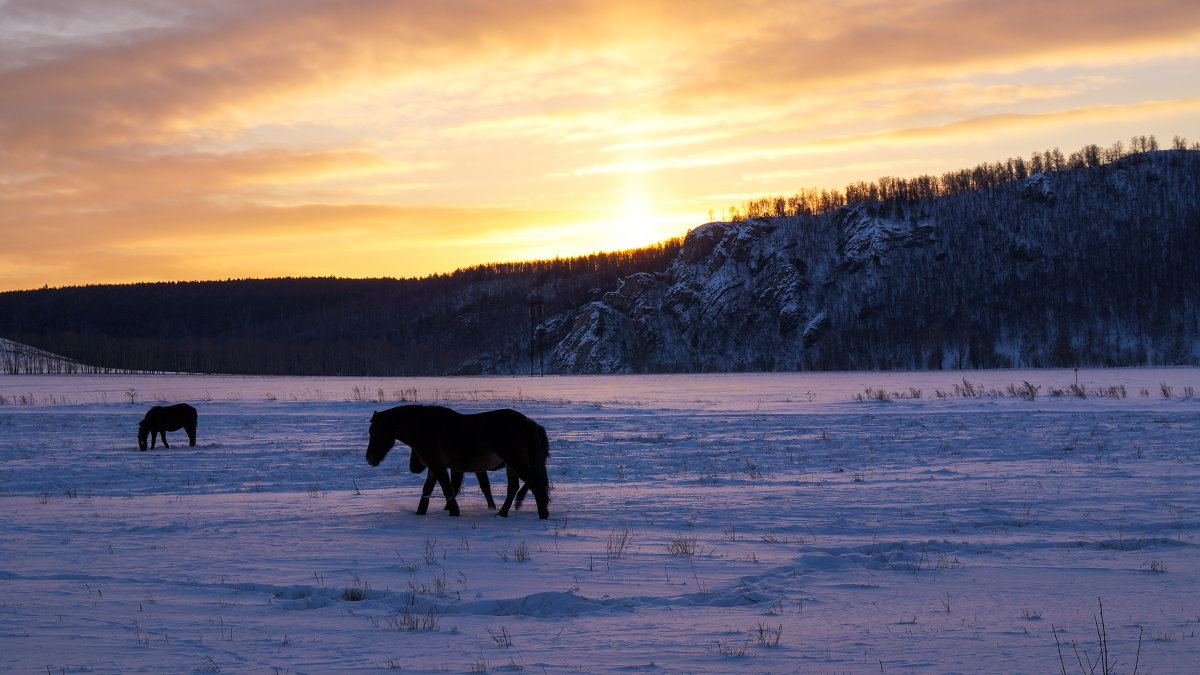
(1089, 266)
(1086, 262)
(472, 321)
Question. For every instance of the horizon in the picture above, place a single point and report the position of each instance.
(154, 142)
(741, 212)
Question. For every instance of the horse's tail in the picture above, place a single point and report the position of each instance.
(543, 441)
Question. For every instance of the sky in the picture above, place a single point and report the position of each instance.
(163, 140)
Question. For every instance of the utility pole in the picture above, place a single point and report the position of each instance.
(536, 310)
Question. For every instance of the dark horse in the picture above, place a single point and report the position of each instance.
(163, 418)
(444, 440)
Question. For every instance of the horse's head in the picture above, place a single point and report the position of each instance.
(143, 432)
(382, 440)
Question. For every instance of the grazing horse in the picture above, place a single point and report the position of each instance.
(444, 440)
(163, 418)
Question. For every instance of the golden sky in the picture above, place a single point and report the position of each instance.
(152, 140)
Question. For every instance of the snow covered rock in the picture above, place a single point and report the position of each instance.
(734, 299)
(594, 342)
(868, 234)
(1037, 188)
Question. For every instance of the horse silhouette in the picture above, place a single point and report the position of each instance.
(444, 440)
(163, 418)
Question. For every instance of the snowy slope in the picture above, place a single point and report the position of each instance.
(852, 522)
(20, 359)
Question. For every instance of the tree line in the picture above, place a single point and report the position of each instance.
(815, 201)
(474, 319)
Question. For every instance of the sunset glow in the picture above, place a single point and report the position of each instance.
(165, 140)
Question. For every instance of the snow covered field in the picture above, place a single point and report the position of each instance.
(699, 523)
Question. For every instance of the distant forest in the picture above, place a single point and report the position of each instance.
(1087, 258)
(469, 321)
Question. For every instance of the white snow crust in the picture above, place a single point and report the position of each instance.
(769, 523)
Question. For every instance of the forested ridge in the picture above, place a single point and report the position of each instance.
(471, 320)
(1088, 260)
(1085, 266)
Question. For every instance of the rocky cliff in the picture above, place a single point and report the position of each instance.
(1092, 265)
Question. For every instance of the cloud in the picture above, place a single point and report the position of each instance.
(882, 44)
(147, 122)
(1009, 123)
(208, 72)
(213, 72)
(152, 196)
(210, 75)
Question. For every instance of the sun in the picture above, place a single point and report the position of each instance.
(634, 226)
(635, 221)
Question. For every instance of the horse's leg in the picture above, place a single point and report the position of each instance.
(164, 437)
(514, 482)
(521, 496)
(456, 479)
(191, 432)
(443, 479)
(426, 491)
(486, 486)
(535, 480)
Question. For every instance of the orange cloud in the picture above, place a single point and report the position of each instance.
(881, 43)
(142, 126)
(1008, 123)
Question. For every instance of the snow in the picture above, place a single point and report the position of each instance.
(815, 523)
(868, 238)
(1038, 188)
